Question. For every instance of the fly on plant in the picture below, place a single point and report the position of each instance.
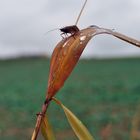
(72, 29)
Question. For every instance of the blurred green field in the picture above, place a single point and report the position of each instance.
(104, 94)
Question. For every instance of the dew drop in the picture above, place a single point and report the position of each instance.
(137, 43)
(65, 44)
(82, 38)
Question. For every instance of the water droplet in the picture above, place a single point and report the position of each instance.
(65, 44)
(82, 38)
(137, 43)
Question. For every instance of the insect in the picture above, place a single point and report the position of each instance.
(73, 29)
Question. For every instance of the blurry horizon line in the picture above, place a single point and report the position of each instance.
(113, 56)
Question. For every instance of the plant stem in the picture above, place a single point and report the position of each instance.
(40, 117)
(81, 12)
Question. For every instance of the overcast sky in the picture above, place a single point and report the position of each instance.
(24, 22)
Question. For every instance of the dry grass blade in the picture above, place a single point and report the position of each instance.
(127, 39)
(123, 37)
(79, 129)
(81, 12)
(68, 51)
(33, 135)
(35, 132)
(97, 30)
(64, 58)
(46, 129)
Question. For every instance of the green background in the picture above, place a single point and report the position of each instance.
(104, 94)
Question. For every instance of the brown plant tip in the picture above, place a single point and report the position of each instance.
(68, 51)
